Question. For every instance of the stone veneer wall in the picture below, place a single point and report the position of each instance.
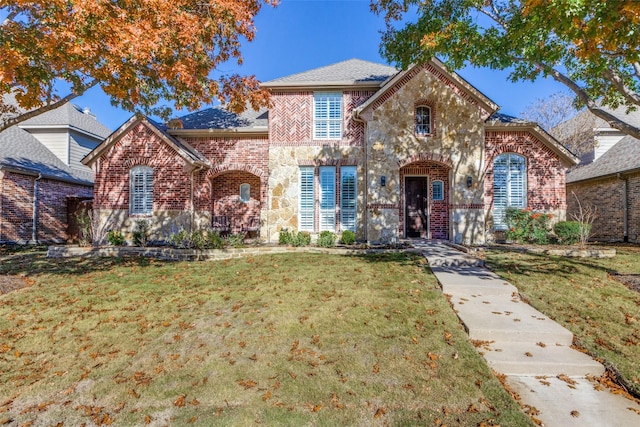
(16, 207)
(546, 174)
(292, 145)
(607, 195)
(457, 141)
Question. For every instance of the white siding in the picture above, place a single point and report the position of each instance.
(57, 141)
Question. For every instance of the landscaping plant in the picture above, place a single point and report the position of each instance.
(348, 237)
(526, 226)
(326, 239)
(115, 238)
(141, 232)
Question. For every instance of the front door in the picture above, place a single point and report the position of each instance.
(416, 196)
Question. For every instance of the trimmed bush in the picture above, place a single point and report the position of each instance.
(326, 239)
(115, 238)
(568, 232)
(292, 238)
(525, 226)
(348, 237)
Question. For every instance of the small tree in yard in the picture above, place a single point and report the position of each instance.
(585, 217)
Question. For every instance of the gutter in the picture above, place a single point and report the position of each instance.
(34, 228)
(625, 206)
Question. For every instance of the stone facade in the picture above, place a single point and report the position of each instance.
(17, 204)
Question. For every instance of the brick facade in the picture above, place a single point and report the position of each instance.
(546, 191)
(16, 207)
(612, 196)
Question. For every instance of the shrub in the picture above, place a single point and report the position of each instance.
(525, 226)
(214, 240)
(181, 239)
(568, 232)
(293, 238)
(115, 238)
(235, 240)
(348, 237)
(326, 239)
(141, 233)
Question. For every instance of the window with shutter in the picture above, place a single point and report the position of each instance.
(141, 202)
(327, 115)
(306, 215)
(348, 198)
(509, 186)
(327, 198)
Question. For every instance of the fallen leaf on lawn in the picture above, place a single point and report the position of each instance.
(433, 356)
(376, 368)
(192, 420)
(472, 408)
(247, 384)
(266, 396)
(316, 408)
(380, 412)
(179, 402)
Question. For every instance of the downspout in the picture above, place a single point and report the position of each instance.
(625, 206)
(365, 198)
(34, 227)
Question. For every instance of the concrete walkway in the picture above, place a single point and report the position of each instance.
(532, 350)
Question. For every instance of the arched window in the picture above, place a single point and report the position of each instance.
(509, 186)
(437, 190)
(245, 192)
(423, 120)
(141, 182)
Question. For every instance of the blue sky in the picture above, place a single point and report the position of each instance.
(299, 35)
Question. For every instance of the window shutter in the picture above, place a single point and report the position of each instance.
(141, 190)
(327, 115)
(327, 198)
(306, 199)
(348, 198)
(509, 186)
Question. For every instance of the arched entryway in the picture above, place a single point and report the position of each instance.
(237, 196)
(425, 200)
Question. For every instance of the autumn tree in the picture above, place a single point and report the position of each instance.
(142, 53)
(590, 46)
(558, 115)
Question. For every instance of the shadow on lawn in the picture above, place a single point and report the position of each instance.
(33, 261)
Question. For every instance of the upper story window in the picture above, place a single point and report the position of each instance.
(245, 192)
(327, 115)
(423, 120)
(141, 202)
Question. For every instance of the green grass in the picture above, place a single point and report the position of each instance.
(603, 314)
(293, 339)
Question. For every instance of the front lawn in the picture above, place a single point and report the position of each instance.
(582, 295)
(292, 339)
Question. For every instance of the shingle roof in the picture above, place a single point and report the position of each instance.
(22, 151)
(350, 72)
(505, 118)
(68, 115)
(219, 118)
(622, 157)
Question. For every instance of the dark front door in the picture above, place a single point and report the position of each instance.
(416, 197)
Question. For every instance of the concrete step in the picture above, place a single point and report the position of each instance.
(501, 318)
(516, 358)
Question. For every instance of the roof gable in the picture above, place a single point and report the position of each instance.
(188, 153)
(452, 80)
(352, 72)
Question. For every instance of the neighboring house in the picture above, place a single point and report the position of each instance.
(351, 146)
(41, 173)
(610, 183)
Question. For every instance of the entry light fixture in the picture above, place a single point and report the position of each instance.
(469, 181)
(383, 181)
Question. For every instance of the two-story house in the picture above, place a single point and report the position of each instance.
(354, 146)
(41, 174)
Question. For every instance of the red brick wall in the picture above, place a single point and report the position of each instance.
(439, 213)
(291, 119)
(16, 207)
(140, 146)
(608, 196)
(226, 197)
(545, 172)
